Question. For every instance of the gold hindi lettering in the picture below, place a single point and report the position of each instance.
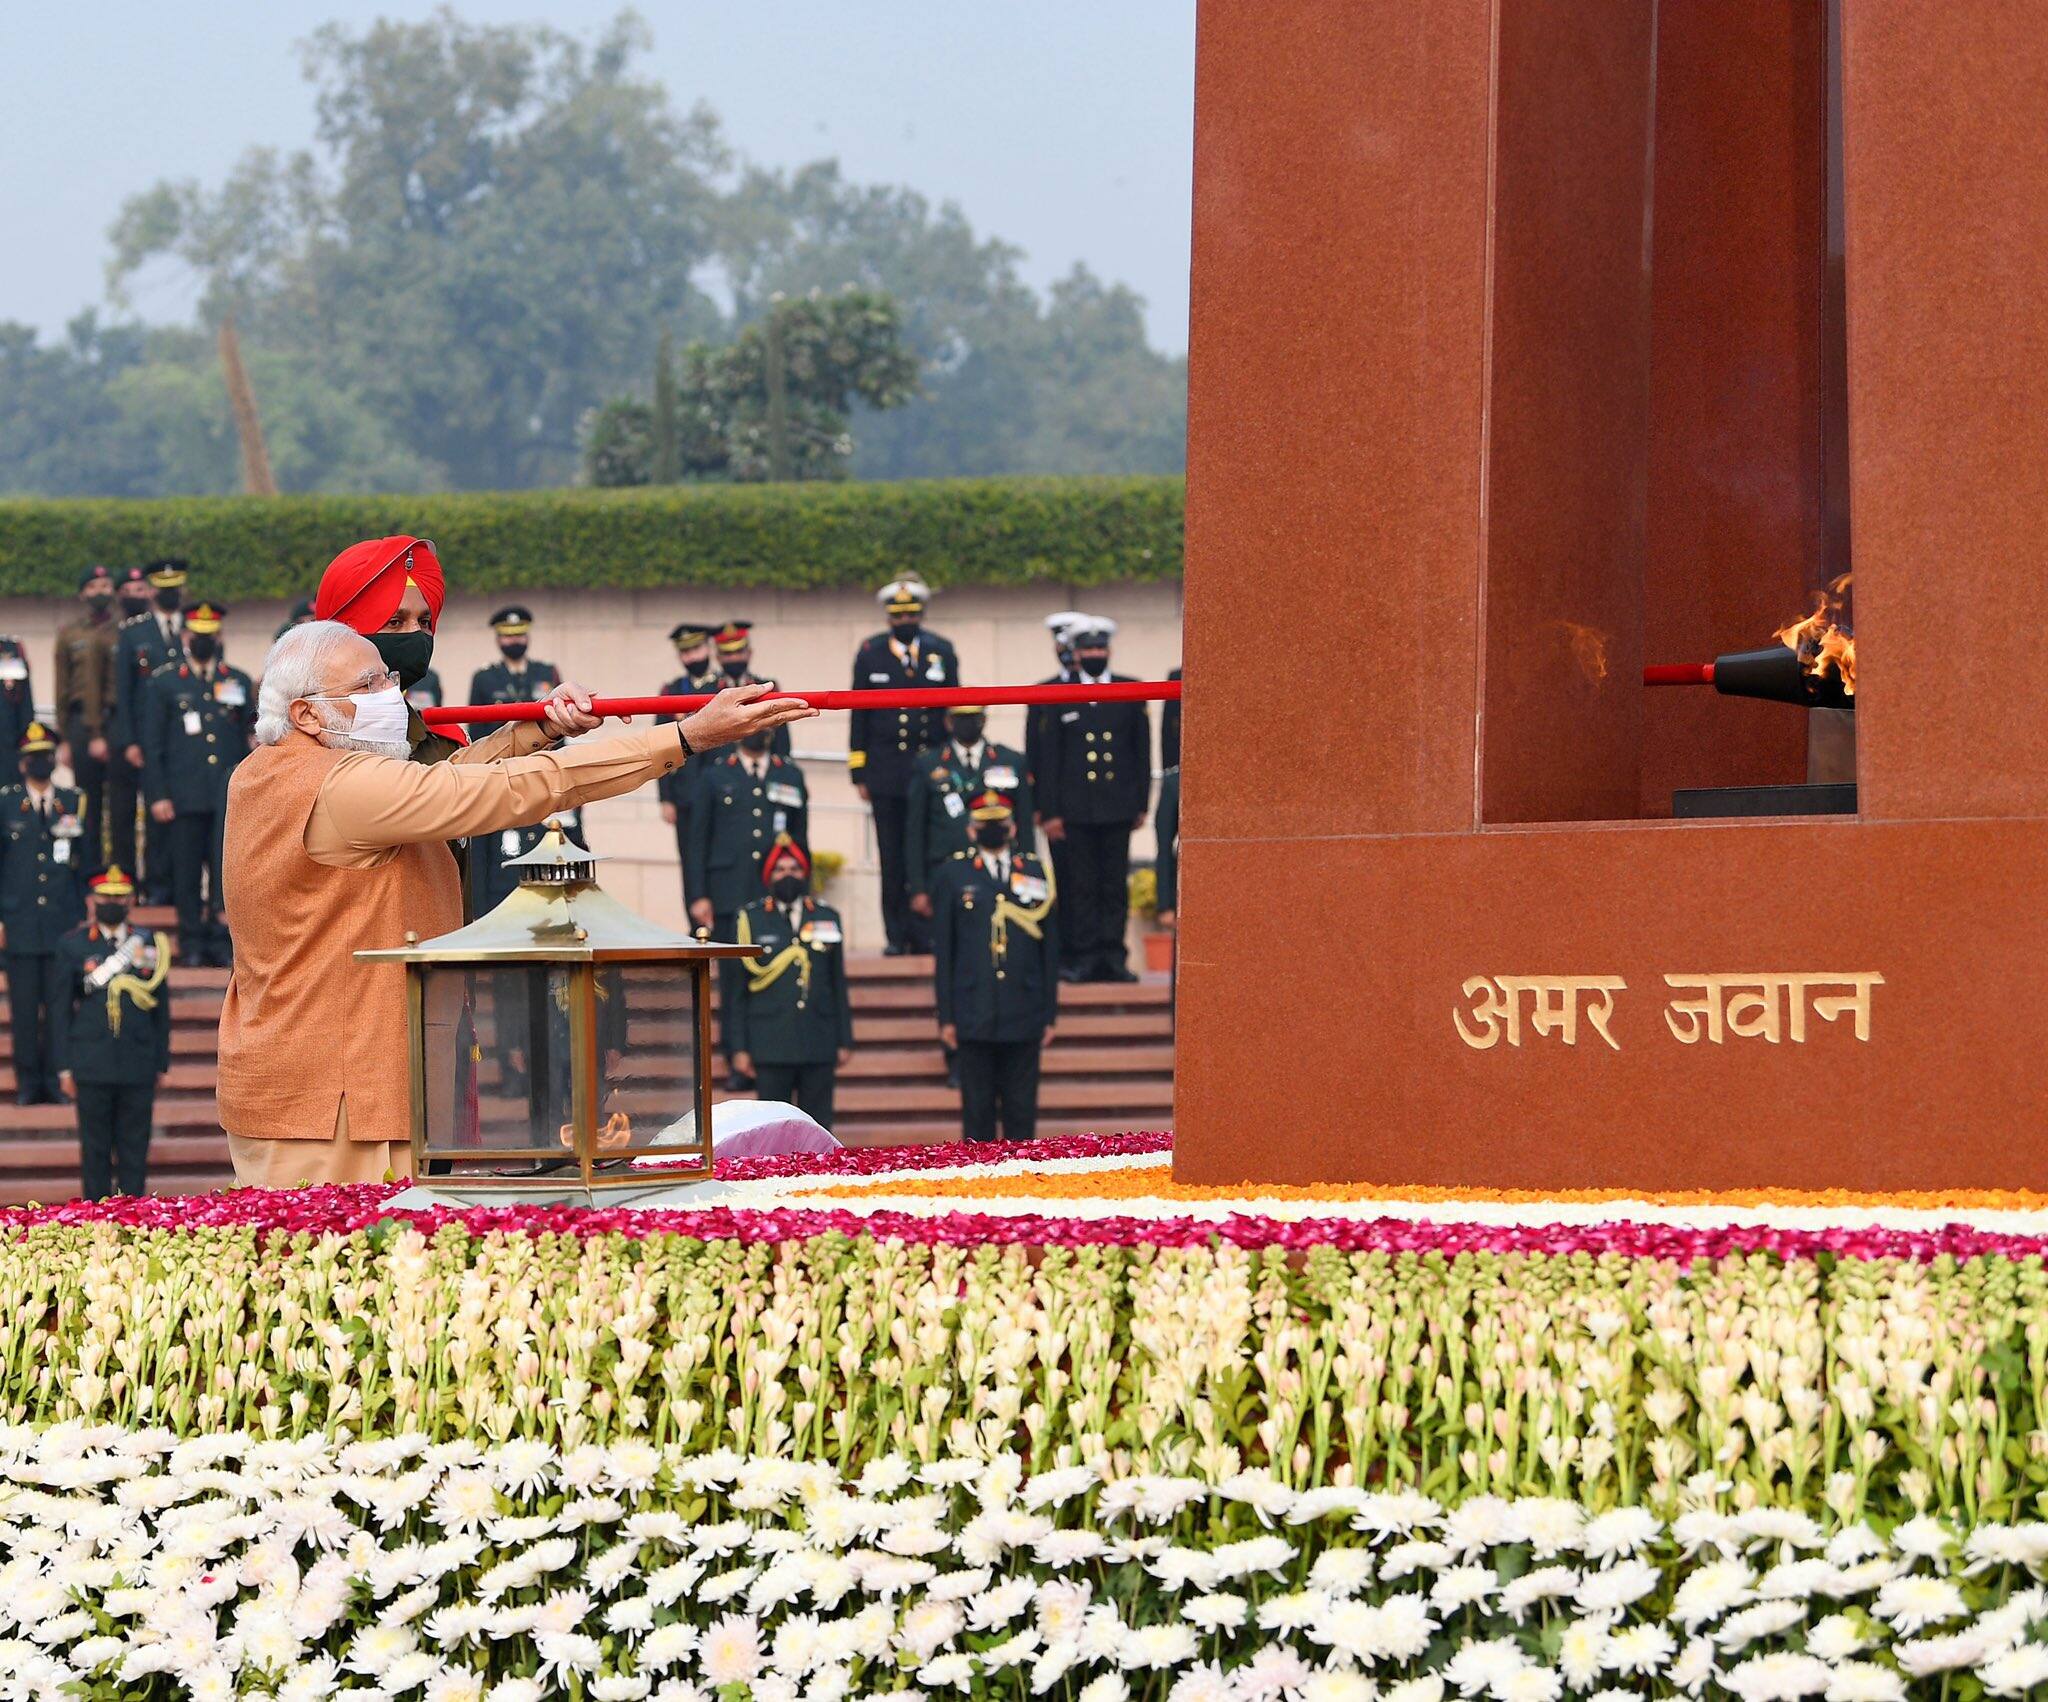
(1554, 1008)
(1769, 1007)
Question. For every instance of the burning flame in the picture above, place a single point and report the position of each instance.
(1821, 641)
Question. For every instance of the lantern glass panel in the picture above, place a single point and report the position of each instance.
(646, 1030)
(500, 1062)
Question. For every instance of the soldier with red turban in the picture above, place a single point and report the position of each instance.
(391, 590)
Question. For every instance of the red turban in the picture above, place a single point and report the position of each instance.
(364, 585)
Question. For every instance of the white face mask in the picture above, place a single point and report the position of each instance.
(380, 725)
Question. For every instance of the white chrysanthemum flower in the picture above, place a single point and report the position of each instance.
(1405, 1558)
(1778, 1524)
(268, 1640)
(1186, 1568)
(374, 1647)
(1638, 1650)
(929, 1626)
(1060, 1549)
(1544, 1584)
(2022, 1671)
(210, 1683)
(1924, 1538)
(667, 1645)
(1694, 1666)
(1326, 1502)
(1405, 1626)
(1154, 1648)
(2007, 1545)
(1798, 1580)
(1396, 1513)
(1463, 1586)
(947, 1672)
(510, 1531)
(630, 1616)
(1255, 1555)
(1203, 1682)
(1582, 1652)
(1478, 1666)
(1058, 1608)
(1779, 1677)
(1292, 1610)
(1765, 1619)
(950, 1474)
(1428, 1688)
(667, 1585)
(721, 1587)
(464, 1500)
(1010, 1652)
(1530, 1684)
(1618, 1587)
(715, 1540)
(1551, 1525)
(996, 1608)
(1261, 1491)
(620, 1687)
(1341, 1571)
(462, 1623)
(1940, 1654)
(1486, 1521)
(1866, 1681)
(829, 1684)
(798, 1644)
(1716, 1588)
(1866, 1575)
(885, 1475)
(1624, 1531)
(92, 1653)
(411, 1672)
(516, 1690)
(1053, 1665)
(657, 1524)
(730, 1652)
(1912, 1603)
(679, 1690)
(1853, 1543)
(1217, 1611)
(1056, 1487)
(1110, 1687)
(1836, 1638)
(914, 1539)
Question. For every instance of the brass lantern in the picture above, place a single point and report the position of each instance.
(560, 1045)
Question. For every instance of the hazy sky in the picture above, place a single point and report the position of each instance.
(1062, 126)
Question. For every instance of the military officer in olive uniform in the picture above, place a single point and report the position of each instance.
(85, 699)
(516, 678)
(883, 744)
(947, 780)
(43, 858)
(792, 1018)
(1094, 785)
(692, 640)
(113, 1036)
(997, 973)
(149, 638)
(197, 722)
(746, 800)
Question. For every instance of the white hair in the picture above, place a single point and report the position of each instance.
(294, 670)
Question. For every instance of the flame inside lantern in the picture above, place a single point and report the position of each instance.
(1822, 641)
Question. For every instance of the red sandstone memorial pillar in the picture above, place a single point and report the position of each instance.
(1510, 349)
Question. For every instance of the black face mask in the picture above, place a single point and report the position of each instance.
(40, 766)
(99, 604)
(992, 835)
(967, 729)
(515, 651)
(1094, 666)
(695, 665)
(406, 654)
(135, 605)
(735, 666)
(169, 598)
(110, 915)
(904, 631)
(758, 743)
(204, 646)
(789, 888)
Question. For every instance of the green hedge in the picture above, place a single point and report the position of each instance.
(1080, 531)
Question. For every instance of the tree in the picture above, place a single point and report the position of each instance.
(773, 404)
(495, 224)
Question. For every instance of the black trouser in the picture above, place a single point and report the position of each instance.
(905, 929)
(90, 777)
(1071, 954)
(196, 853)
(113, 1136)
(998, 1075)
(124, 796)
(683, 856)
(725, 925)
(1096, 899)
(809, 1087)
(32, 1006)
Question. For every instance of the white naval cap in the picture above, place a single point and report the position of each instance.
(1064, 622)
(1098, 627)
(903, 592)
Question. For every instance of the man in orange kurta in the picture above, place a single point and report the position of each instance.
(336, 844)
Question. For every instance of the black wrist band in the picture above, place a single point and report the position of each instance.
(683, 739)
